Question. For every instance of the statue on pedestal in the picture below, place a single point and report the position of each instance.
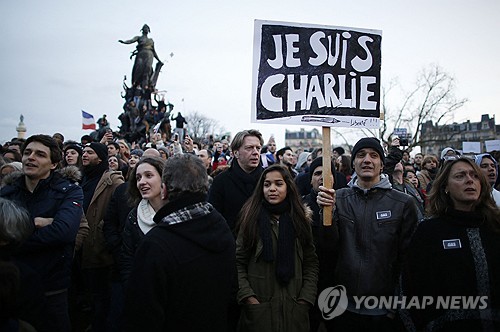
(142, 72)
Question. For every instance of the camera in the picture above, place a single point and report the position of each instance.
(404, 141)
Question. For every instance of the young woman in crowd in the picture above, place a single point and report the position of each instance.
(72, 155)
(145, 194)
(455, 253)
(275, 256)
(428, 172)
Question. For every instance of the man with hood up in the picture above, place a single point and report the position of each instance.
(185, 269)
(489, 166)
(374, 224)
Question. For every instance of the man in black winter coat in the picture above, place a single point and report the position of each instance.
(232, 188)
(184, 270)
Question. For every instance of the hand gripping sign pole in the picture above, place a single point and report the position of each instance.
(309, 74)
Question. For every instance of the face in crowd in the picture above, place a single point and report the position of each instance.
(71, 157)
(489, 170)
(463, 186)
(275, 188)
(248, 155)
(36, 160)
(368, 165)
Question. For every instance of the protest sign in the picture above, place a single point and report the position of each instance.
(471, 147)
(317, 75)
(492, 145)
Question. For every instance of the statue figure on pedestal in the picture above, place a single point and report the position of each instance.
(142, 72)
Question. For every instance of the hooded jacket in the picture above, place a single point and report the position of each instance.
(184, 272)
(49, 250)
(374, 228)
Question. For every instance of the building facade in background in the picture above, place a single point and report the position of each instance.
(435, 138)
(303, 140)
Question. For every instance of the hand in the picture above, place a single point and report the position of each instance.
(108, 137)
(188, 144)
(252, 300)
(326, 197)
(396, 142)
(42, 222)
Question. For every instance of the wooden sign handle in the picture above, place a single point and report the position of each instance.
(327, 172)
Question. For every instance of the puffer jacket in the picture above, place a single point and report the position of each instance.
(374, 228)
(49, 250)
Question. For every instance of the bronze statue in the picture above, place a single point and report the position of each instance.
(142, 72)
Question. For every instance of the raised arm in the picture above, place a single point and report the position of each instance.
(130, 41)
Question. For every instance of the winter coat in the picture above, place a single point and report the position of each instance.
(94, 251)
(455, 255)
(231, 189)
(132, 238)
(279, 309)
(374, 229)
(49, 251)
(184, 272)
(114, 223)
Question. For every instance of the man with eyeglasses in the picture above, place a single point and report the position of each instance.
(489, 166)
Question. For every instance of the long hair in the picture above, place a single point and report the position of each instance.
(345, 165)
(249, 215)
(439, 201)
(134, 196)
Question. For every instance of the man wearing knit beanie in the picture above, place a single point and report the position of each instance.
(374, 224)
(98, 185)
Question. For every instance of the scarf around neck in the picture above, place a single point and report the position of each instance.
(145, 214)
(285, 260)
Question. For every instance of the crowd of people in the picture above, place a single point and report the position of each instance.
(228, 235)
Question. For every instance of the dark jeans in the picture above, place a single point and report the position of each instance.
(57, 312)
(353, 322)
(99, 286)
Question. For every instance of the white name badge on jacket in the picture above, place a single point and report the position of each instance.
(452, 244)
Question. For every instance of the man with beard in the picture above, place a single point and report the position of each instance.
(489, 166)
(286, 158)
(98, 185)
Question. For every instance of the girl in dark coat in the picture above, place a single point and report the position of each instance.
(275, 256)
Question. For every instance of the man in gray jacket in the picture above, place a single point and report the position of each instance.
(374, 225)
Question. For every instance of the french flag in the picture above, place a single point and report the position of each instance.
(88, 121)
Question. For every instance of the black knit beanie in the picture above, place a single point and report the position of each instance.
(316, 163)
(368, 142)
(100, 149)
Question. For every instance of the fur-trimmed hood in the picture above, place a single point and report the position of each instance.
(70, 173)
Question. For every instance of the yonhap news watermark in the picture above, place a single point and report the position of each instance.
(333, 301)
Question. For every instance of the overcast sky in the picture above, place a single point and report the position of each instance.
(59, 57)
